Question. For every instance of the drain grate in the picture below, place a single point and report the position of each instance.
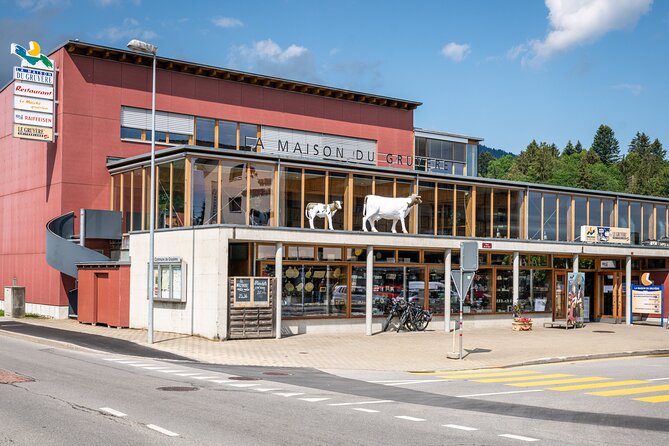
(277, 373)
(7, 377)
(244, 378)
(603, 331)
(178, 389)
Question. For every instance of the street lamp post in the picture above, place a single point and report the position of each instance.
(147, 48)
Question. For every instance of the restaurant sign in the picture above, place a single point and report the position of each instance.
(32, 132)
(605, 234)
(287, 143)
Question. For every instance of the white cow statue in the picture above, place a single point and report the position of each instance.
(314, 210)
(394, 209)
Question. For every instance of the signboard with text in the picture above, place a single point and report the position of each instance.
(647, 299)
(605, 234)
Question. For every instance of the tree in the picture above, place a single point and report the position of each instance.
(499, 168)
(568, 149)
(644, 167)
(584, 179)
(606, 145)
(534, 164)
(578, 147)
(484, 160)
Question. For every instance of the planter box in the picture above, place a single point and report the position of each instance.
(521, 326)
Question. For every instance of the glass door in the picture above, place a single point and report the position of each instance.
(560, 309)
(612, 297)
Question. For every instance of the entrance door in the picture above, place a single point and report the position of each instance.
(560, 308)
(612, 297)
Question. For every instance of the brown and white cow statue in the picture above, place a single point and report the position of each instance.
(394, 209)
(321, 210)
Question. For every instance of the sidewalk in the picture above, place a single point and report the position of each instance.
(485, 347)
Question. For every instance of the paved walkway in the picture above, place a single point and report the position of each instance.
(484, 347)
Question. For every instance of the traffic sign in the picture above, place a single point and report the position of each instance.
(467, 279)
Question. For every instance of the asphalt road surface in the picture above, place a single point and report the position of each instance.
(77, 397)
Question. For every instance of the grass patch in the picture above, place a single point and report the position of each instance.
(35, 316)
(2, 313)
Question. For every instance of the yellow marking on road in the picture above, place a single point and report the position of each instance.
(457, 372)
(520, 378)
(654, 399)
(490, 375)
(559, 381)
(632, 391)
(598, 385)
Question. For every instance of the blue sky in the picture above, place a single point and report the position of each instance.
(506, 71)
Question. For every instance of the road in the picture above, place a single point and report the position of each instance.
(84, 397)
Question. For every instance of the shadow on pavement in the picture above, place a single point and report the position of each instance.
(95, 342)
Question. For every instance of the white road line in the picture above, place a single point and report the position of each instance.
(462, 428)
(156, 368)
(408, 418)
(499, 393)
(128, 362)
(288, 394)
(397, 382)
(243, 384)
(312, 400)
(518, 437)
(361, 402)
(205, 377)
(658, 379)
(362, 409)
(112, 359)
(187, 374)
(171, 371)
(264, 389)
(111, 411)
(219, 381)
(141, 365)
(162, 430)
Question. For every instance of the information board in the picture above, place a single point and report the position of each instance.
(261, 290)
(251, 291)
(242, 290)
(647, 299)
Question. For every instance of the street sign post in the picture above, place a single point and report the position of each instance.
(463, 278)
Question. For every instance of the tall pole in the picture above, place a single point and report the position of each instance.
(152, 199)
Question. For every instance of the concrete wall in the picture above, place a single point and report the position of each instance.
(204, 252)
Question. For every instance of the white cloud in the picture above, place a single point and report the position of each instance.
(129, 29)
(334, 51)
(37, 5)
(456, 51)
(270, 51)
(267, 57)
(635, 89)
(227, 22)
(577, 22)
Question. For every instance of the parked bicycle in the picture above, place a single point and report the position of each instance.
(410, 316)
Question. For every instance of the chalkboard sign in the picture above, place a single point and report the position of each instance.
(261, 291)
(243, 290)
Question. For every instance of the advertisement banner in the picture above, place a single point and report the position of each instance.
(33, 104)
(32, 132)
(575, 289)
(33, 90)
(32, 118)
(647, 299)
(605, 234)
(32, 75)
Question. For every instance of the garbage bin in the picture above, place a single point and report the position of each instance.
(15, 301)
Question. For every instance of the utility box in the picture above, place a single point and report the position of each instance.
(15, 301)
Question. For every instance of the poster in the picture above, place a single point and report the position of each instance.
(647, 299)
(576, 285)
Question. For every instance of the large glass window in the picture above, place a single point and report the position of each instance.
(445, 209)
(623, 214)
(504, 291)
(595, 212)
(125, 199)
(635, 222)
(404, 188)
(314, 192)
(479, 297)
(550, 217)
(205, 191)
(130, 133)
(580, 214)
(314, 290)
(204, 132)
(136, 211)
(500, 216)
(660, 222)
(291, 197)
(534, 291)
(261, 208)
(163, 195)
(227, 135)
(233, 192)
(516, 213)
(362, 186)
(463, 211)
(426, 208)
(384, 187)
(459, 152)
(534, 216)
(178, 193)
(483, 211)
(564, 224)
(648, 222)
(248, 137)
(337, 191)
(608, 219)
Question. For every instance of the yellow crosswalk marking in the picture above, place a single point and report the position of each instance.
(458, 372)
(632, 391)
(558, 381)
(654, 399)
(520, 378)
(598, 385)
(490, 375)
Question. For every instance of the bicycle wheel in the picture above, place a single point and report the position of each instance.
(386, 323)
(422, 319)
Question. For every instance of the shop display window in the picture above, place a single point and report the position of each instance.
(501, 259)
(562, 263)
(479, 298)
(586, 263)
(408, 256)
(300, 253)
(356, 254)
(435, 257)
(314, 192)
(330, 254)
(265, 252)
(534, 290)
(504, 291)
(384, 255)
(534, 260)
(204, 183)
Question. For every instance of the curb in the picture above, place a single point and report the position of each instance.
(49, 342)
(587, 357)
